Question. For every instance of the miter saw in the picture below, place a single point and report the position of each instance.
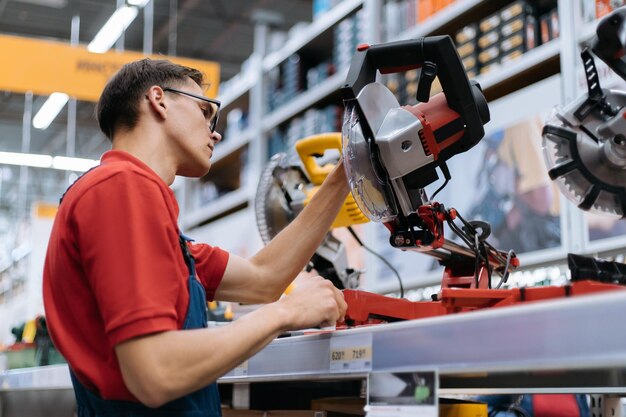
(286, 187)
(392, 152)
(585, 143)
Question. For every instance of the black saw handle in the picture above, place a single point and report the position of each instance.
(609, 44)
(437, 56)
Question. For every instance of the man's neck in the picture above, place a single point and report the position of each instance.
(149, 148)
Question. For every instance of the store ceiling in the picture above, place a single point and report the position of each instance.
(214, 30)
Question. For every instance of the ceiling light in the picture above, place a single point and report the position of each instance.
(26, 159)
(47, 161)
(112, 29)
(49, 110)
(73, 164)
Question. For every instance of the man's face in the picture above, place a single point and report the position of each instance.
(190, 129)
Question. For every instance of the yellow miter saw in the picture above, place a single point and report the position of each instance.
(285, 188)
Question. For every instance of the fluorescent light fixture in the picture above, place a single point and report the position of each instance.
(73, 164)
(50, 110)
(112, 29)
(47, 161)
(102, 42)
(137, 3)
(25, 159)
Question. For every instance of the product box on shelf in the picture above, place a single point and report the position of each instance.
(467, 49)
(604, 7)
(489, 23)
(517, 9)
(466, 34)
(512, 55)
(549, 26)
(488, 39)
(427, 8)
(470, 62)
(489, 55)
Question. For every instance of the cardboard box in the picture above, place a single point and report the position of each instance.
(512, 42)
(490, 23)
(512, 26)
(489, 55)
(517, 9)
(344, 405)
(228, 412)
(449, 407)
(466, 34)
(511, 55)
(487, 39)
(470, 62)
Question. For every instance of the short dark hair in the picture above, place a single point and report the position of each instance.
(118, 106)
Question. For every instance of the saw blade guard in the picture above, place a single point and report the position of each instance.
(279, 196)
(589, 168)
(391, 152)
(366, 185)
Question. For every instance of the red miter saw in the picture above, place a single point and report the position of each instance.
(391, 153)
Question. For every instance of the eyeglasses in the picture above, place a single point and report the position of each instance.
(211, 113)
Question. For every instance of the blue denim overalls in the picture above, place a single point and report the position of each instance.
(204, 402)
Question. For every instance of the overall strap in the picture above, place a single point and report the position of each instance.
(71, 185)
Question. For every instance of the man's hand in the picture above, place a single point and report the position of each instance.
(314, 302)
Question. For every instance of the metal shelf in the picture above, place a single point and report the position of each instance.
(224, 203)
(232, 145)
(566, 345)
(304, 100)
(439, 19)
(238, 89)
(562, 335)
(528, 60)
(315, 29)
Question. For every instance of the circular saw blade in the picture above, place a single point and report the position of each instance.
(577, 155)
(279, 196)
(366, 184)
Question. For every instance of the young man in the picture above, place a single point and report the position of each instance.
(125, 292)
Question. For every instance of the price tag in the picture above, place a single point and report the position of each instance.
(351, 354)
(241, 369)
(402, 394)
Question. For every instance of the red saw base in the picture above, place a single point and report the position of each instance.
(366, 308)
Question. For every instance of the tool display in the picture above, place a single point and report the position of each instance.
(392, 152)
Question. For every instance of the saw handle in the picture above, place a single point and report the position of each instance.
(313, 147)
(437, 56)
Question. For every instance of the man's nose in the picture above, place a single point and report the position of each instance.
(216, 136)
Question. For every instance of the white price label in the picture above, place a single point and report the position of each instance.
(351, 354)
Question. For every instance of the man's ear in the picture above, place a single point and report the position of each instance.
(156, 101)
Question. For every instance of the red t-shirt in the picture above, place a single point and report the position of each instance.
(114, 269)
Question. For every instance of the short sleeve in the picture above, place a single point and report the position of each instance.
(211, 264)
(129, 246)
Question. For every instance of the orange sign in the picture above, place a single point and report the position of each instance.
(45, 67)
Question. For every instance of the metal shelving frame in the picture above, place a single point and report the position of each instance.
(571, 345)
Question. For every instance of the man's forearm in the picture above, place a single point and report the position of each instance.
(161, 367)
(287, 254)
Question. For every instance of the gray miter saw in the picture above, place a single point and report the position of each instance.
(284, 190)
(585, 143)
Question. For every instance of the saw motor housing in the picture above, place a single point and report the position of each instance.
(405, 144)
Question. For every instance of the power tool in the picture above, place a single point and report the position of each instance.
(585, 142)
